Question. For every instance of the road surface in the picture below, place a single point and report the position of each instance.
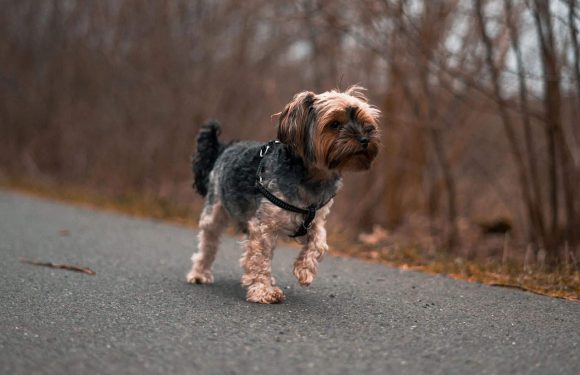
(139, 316)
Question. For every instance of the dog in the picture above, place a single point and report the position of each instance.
(281, 188)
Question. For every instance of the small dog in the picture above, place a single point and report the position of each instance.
(281, 188)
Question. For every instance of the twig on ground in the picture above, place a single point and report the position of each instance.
(68, 267)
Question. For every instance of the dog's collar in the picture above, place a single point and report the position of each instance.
(309, 212)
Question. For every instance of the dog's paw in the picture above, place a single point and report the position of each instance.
(200, 277)
(304, 274)
(261, 293)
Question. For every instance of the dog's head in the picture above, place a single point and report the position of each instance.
(333, 130)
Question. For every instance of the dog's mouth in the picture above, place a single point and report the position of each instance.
(365, 153)
(363, 160)
(358, 160)
(349, 155)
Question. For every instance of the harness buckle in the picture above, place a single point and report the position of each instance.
(264, 151)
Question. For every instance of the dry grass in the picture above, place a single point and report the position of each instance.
(562, 283)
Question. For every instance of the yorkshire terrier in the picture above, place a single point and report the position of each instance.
(283, 187)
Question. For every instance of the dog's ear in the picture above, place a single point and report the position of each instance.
(293, 128)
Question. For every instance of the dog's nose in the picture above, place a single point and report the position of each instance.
(364, 141)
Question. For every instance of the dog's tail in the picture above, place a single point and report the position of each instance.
(208, 150)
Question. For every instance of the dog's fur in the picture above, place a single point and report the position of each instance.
(321, 137)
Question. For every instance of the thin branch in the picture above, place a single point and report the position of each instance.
(68, 267)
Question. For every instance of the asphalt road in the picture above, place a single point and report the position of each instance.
(139, 316)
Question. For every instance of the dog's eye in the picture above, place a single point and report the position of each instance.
(369, 128)
(335, 125)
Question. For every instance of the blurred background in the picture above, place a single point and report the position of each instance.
(480, 106)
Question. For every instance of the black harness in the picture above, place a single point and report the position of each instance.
(309, 212)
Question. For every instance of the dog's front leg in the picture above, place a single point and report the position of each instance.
(306, 264)
(257, 264)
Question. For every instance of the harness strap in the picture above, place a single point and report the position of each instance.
(309, 212)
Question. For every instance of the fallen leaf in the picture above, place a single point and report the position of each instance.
(379, 234)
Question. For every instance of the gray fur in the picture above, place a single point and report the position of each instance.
(233, 180)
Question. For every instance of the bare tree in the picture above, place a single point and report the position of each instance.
(536, 231)
(505, 116)
(559, 154)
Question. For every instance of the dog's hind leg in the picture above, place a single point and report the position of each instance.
(211, 224)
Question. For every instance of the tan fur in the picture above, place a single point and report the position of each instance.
(256, 261)
(332, 106)
(306, 264)
(292, 119)
(211, 224)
